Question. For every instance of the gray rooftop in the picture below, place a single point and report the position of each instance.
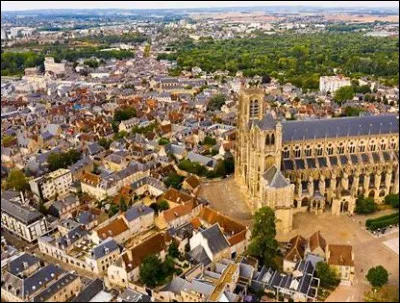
(104, 248)
(216, 239)
(137, 211)
(23, 213)
(339, 127)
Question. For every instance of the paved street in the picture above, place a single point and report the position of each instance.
(369, 251)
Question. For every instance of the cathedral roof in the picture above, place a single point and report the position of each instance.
(275, 178)
(339, 127)
(266, 123)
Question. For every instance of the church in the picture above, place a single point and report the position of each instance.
(313, 165)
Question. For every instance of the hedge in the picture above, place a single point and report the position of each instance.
(370, 221)
(381, 222)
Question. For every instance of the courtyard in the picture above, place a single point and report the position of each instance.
(369, 251)
(226, 197)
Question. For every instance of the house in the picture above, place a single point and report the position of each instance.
(21, 219)
(76, 248)
(208, 245)
(53, 185)
(178, 215)
(296, 253)
(63, 208)
(126, 267)
(191, 184)
(27, 279)
(341, 258)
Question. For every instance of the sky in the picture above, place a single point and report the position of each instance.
(31, 5)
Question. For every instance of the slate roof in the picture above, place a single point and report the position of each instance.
(130, 295)
(23, 213)
(275, 178)
(199, 255)
(339, 127)
(266, 123)
(100, 250)
(49, 291)
(216, 239)
(137, 211)
(16, 266)
(90, 291)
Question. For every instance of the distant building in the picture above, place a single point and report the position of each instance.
(3, 34)
(22, 220)
(51, 66)
(52, 185)
(27, 279)
(333, 83)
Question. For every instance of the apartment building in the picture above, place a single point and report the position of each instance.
(53, 185)
(22, 220)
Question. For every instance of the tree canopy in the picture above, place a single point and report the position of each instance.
(263, 243)
(326, 275)
(392, 199)
(343, 94)
(63, 159)
(299, 59)
(377, 276)
(365, 205)
(16, 180)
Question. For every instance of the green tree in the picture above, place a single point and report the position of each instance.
(105, 142)
(392, 199)
(147, 48)
(365, 205)
(216, 102)
(350, 111)
(343, 94)
(174, 180)
(163, 205)
(377, 276)
(167, 268)
(173, 250)
(150, 271)
(163, 141)
(326, 275)
(209, 140)
(263, 243)
(16, 180)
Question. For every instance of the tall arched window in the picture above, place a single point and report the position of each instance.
(273, 139)
(267, 140)
(253, 109)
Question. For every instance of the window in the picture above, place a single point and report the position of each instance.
(393, 144)
(297, 152)
(308, 151)
(286, 153)
(372, 147)
(318, 150)
(362, 147)
(341, 148)
(253, 111)
(267, 140)
(383, 146)
(352, 149)
(329, 150)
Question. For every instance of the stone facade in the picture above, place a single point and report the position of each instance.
(314, 165)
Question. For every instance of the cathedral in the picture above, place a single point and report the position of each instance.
(313, 165)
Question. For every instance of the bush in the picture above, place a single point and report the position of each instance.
(365, 205)
(377, 276)
(393, 200)
(381, 222)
